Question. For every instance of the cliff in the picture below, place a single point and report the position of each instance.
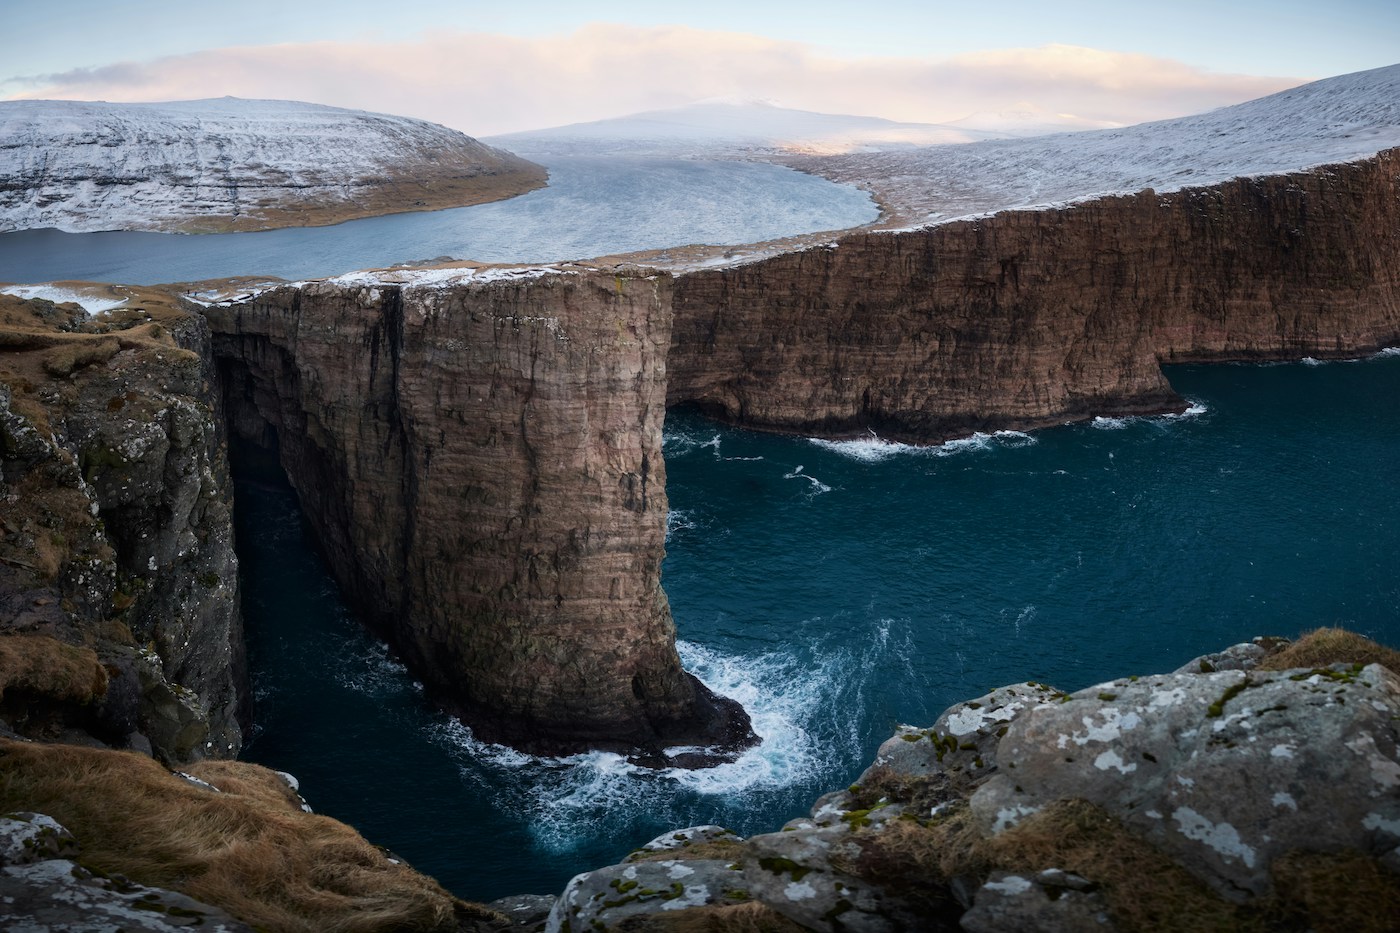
(1252, 789)
(117, 569)
(1033, 318)
(481, 464)
(217, 165)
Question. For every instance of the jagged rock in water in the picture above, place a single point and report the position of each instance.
(481, 463)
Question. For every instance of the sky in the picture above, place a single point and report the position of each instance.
(488, 68)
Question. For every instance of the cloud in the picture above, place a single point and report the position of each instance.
(485, 84)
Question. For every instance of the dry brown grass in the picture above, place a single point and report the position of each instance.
(249, 850)
(1142, 887)
(1322, 647)
(720, 849)
(1343, 892)
(41, 666)
(741, 918)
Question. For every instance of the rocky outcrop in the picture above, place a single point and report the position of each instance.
(481, 464)
(230, 164)
(106, 840)
(1033, 318)
(117, 569)
(42, 888)
(1237, 799)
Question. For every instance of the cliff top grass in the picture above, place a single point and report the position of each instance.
(247, 848)
(1323, 647)
(43, 344)
(38, 665)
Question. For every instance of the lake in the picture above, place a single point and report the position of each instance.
(592, 207)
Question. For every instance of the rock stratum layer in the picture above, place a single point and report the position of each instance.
(1032, 318)
(482, 466)
(229, 164)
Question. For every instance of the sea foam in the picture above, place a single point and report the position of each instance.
(806, 710)
(874, 449)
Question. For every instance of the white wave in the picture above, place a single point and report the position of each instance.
(1388, 351)
(1194, 409)
(818, 487)
(874, 449)
(870, 449)
(375, 672)
(678, 520)
(807, 711)
(1310, 361)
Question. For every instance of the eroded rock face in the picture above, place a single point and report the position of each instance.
(116, 532)
(482, 466)
(1033, 318)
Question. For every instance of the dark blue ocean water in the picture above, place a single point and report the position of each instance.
(592, 207)
(838, 589)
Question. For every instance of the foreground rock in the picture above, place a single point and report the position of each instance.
(481, 463)
(1259, 799)
(119, 614)
(41, 890)
(100, 840)
(230, 164)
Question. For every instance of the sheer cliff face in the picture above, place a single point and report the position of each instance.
(482, 465)
(1031, 318)
(115, 529)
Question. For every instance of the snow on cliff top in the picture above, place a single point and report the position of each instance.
(91, 165)
(1333, 120)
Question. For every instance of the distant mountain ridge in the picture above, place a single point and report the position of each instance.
(720, 127)
(233, 164)
(1340, 119)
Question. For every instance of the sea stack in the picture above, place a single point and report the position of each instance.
(481, 463)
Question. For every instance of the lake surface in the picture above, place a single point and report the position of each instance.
(839, 589)
(592, 207)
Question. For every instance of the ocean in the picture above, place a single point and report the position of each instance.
(837, 589)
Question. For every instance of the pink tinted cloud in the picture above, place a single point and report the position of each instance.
(485, 84)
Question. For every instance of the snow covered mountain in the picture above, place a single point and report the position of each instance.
(232, 164)
(1333, 120)
(726, 128)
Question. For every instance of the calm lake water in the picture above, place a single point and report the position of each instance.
(592, 207)
(839, 589)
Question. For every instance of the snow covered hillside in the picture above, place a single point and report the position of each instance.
(232, 164)
(725, 128)
(1333, 120)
